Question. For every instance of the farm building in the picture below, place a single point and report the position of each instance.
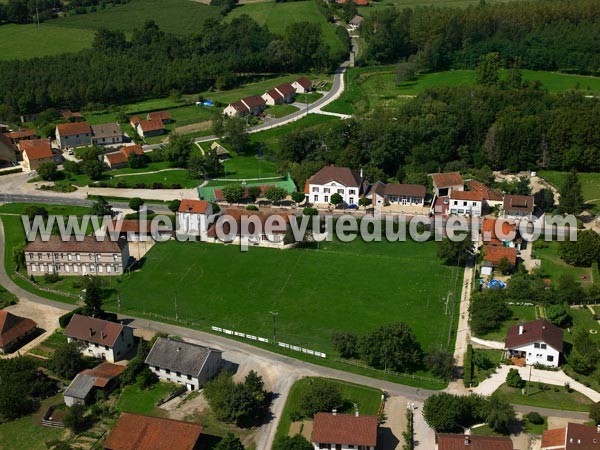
(254, 103)
(103, 377)
(75, 134)
(183, 362)
(8, 150)
(149, 128)
(21, 135)
(445, 183)
(163, 116)
(14, 331)
(272, 97)
(100, 338)
(35, 153)
(119, 159)
(466, 203)
(287, 91)
(494, 254)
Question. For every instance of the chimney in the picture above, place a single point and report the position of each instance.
(91, 332)
(521, 330)
(467, 440)
(334, 412)
(356, 414)
(598, 429)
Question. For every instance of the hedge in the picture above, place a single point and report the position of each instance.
(64, 320)
(468, 367)
(15, 170)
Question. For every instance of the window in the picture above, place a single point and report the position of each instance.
(352, 191)
(316, 198)
(464, 203)
(91, 257)
(75, 268)
(536, 345)
(550, 358)
(117, 267)
(108, 269)
(98, 257)
(178, 374)
(326, 190)
(189, 377)
(167, 371)
(57, 267)
(543, 346)
(340, 191)
(351, 200)
(157, 368)
(33, 268)
(115, 257)
(67, 268)
(30, 256)
(100, 269)
(315, 189)
(106, 347)
(92, 268)
(39, 256)
(70, 257)
(327, 198)
(78, 257)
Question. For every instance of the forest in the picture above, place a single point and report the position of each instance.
(497, 127)
(544, 35)
(29, 11)
(153, 63)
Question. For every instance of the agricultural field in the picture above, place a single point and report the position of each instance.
(368, 401)
(590, 185)
(277, 16)
(30, 41)
(315, 292)
(368, 88)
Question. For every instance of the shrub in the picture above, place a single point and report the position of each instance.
(175, 186)
(51, 277)
(468, 366)
(157, 185)
(320, 395)
(514, 380)
(122, 185)
(346, 344)
(140, 186)
(310, 211)
(251, 208)
(534, 418)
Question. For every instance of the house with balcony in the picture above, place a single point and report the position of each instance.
(535, 342)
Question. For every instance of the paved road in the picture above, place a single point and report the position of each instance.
(337, 87)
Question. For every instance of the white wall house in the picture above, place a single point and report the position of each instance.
(537, 342)
(193, 217)
(445, 183)
(344, 431)
(183, 363)
(465, 203)
(100, 338)
(331, 180)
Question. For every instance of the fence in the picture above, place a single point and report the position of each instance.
(302, 350)
(412, 376)
(243, 335)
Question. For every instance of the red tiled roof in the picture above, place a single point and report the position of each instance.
(236, 215)
(286, 89)
(344, 429)
(36, 148)
(129, 149)
(518, 203)
(239, 106)
(494, 254)
(159, 115)
(472, 196)
(409, 190)
(274, 94)
(463, 442)
(93, 330)
(488, 194)
(137, 432)
(536, 331)
(361, 2)
(116, 158)
(69, 129)
(304, 82)
(488, 230)
(554, 438)
(13, 327)
(132, 226)
(20, 134)
(89, 244)
(343, 175)
(444, 180)
(193, 206)
(104, 372)
(134, 120)
(68, 114)
(151, 125)
(253, 101)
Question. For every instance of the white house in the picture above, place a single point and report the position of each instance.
(465, 203)
(573, 436)
(355, 22)
(193, 217)
(236, 109)
(331, 180)
(183, 362)
(287, 91)
(76, 134)
(272, 97)
(344, 431)
(405, 194)
(516, 206)
(537, 342)
(445, 183)
(302, 85)
(100, 338)
(107, 134)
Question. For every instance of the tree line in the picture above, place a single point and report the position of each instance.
(548, 35)
(30, 11)
(153, 63)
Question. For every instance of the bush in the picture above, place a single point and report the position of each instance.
(156, 185)
(122, 185)
(251, 208)
(15, 170)
(595, 412)
(320, 395)
(468, 367)
(175, 186)
(534, 418)
(51, 277)
(514, 380)
(310, 211)
(140, 186)
(346, 344)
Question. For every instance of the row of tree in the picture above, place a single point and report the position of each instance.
(209, 58)
(549, 35)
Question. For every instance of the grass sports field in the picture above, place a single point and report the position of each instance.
(346, 287)
(277, 16)
(368, 88)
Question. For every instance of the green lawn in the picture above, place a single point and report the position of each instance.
(583, 320)
(519, 314)
(368, 401)
(368, 88)
(555, 397)
(139, 401)
(553, 267)
(247, 166)
(6, 298)
(48, 346)
(277, 16)
(495, 356)
(280, 110)
(29, 41)
(590, 184)
(347, 287)
(27, 433)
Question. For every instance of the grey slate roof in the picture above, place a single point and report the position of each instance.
(179, 356)
(80, 387)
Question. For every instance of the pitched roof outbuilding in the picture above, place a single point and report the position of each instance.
(535, 331)
(344, 429)
(36, 149)
(137, 432)
(253, 101)
(285, 89)
(13, 327)
(406, 190)
(496, 253)
(444, 180)
(151, 125)
(107, 130)
(471, 196)
(304, 82)
(518, 203)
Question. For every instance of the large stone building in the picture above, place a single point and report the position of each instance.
(88, 256)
